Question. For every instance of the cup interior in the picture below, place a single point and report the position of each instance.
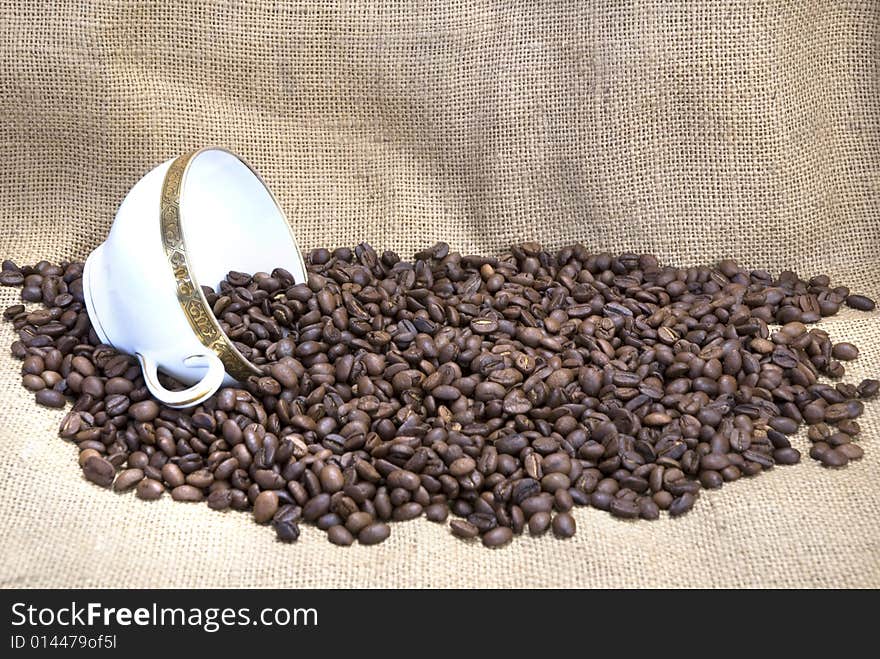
(231, 221)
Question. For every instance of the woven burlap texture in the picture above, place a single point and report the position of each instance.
(695, 130)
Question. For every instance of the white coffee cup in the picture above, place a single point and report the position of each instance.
(185, 224)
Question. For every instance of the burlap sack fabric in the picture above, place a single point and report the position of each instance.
(692, 129)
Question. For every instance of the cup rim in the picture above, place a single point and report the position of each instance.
(192, 300)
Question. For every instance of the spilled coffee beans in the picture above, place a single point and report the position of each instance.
(504, 391)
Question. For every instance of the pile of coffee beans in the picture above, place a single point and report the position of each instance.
(504, 391)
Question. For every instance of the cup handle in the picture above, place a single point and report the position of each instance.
(193, 395)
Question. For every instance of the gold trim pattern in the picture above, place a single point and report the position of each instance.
(189, 294)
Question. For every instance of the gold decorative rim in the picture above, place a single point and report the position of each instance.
(189, 294)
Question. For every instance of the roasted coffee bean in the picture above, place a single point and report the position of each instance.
(784, 425)
(316, 507)
(498, 537)
(83, 366)
(50, 398)
(833, 457)
(265, 506)
(564, 525)
(714, 461)
(711, 479)
(11, 278)
(11, 312)
(484, 325)
(562, 500)
(648, 509)
(33, 382)
(463, 529)
(484, 521)
(357, 521)
(150, 489)
(555, 481)
(624, 508)
(146, 410)
(851, 451)
(462, 466)
(818, 449)
(331, 478)
(118, 385)
(88, 452)
(220, 499)
(682, 504)
(127, 479)
(374, 533)
(99, 471)
(187, 493)
(72, 424)
(55, 380)
(601, 500)
(838, 439)
(844, 351)
(339, 535)
(836, 412)
(860, 302)
(539, 523)
(286, 530)
(755, 456)
(437, 512)
(116, 405)
(138, 460)
(786, 456)
(868, 388)
(403, 479)
(93, 386)
(526, 489)
(200, 478)
(33, 365)
(172, 475)
(406, 511)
